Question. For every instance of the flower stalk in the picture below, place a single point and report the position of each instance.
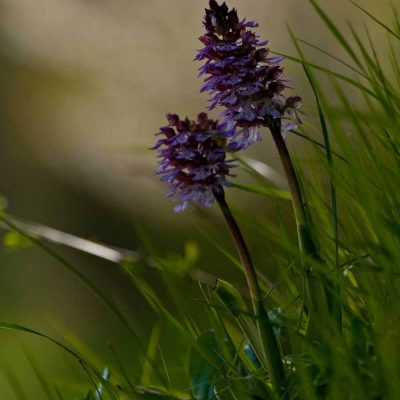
(265, 330)
(306, 242)
(320, 294)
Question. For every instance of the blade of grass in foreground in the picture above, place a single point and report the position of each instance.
(84, 363)
(93, 288)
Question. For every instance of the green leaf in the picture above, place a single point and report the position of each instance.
(231, 297)
(233, 300)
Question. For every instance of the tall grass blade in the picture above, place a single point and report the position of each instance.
(336, 32)
(383, 25)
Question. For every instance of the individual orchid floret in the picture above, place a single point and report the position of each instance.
(194, 158)
(242, 76)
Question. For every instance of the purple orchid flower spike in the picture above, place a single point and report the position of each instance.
(194, 158)
(242, 77)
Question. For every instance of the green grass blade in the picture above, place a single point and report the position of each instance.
(154, 339)
(327, 71)
(83, 279)
(16, 327)
(121, 367)
(336, 32)
(316, 143)
(330, 55)
(89, 369)
(336, 305)
(383, 25)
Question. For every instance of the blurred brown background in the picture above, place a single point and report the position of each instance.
(84, 84)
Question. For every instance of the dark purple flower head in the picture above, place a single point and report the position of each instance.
(193, 158)
(242, 76)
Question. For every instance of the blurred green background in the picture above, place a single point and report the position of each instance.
(84, 86)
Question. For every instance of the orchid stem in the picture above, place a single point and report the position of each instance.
(308, 248)
(264, 326)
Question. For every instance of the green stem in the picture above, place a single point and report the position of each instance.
(307, 244)
(264, 326)
(318, 291)
(294, 186)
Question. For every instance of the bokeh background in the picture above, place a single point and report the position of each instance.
(84, 85)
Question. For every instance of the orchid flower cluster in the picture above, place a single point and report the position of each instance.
(242, 76)
(193, 158)
(248, 84)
